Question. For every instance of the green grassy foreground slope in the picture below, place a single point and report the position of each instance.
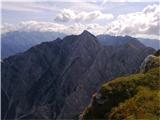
(133, 97)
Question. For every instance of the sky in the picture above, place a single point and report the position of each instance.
(137, 18)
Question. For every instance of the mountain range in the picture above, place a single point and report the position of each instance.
(15, 42)
(56, 79)
(117, 40)
(19, 41)
(150, 42)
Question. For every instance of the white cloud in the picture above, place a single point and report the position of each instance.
(76, 28)
(105, 1)
(33, 26)
(7, 28)
(140, 23)
(81, 0)
(69, 15)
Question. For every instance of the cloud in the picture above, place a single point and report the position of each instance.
(105, 1)
(69, 15)
(15, 6)
(32, 26)
(77, 28)
(145, 22)
(7, 28)
(28, 6)
(81, 0)
(28, 26)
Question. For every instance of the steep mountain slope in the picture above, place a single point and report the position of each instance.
(108, 40)
(18, 41)
(120, 40)
(150, 43)
(132, 97)
(55, 80)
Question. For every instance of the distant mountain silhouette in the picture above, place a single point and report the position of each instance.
(19, 41)
(150, 43)
(120, 40)
(109, 40)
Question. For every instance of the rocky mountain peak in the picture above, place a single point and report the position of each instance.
(58, 38)
(87, 38)
(87, 34)
(54, 80)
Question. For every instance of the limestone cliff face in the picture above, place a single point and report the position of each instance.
(55, 80)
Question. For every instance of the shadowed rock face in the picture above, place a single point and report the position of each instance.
(109, 40)
(56, 79)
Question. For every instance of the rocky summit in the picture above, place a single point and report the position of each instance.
(55, 80)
